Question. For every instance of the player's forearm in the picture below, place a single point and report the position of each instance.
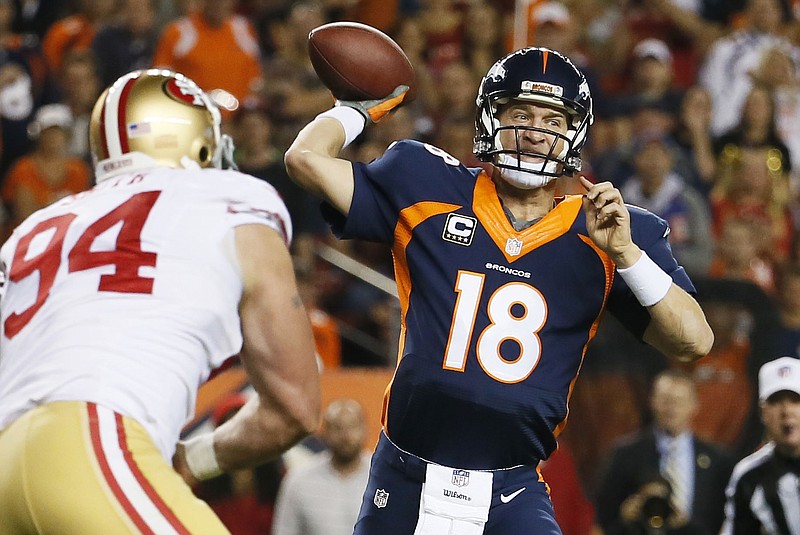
(678, 327)
(277, 354)
(312, 162)
(259, 432)
(323, 136)
(316, 144)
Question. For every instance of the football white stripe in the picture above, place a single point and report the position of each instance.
(109, 441)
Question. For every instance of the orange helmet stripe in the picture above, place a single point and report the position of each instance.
(545, 55)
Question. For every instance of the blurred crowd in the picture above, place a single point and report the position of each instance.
(697, 118)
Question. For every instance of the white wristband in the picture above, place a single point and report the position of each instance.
(351, 120)
(201, 458)
(648, 282)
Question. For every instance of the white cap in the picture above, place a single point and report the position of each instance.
(779, 374)
(653, 48)
(50, 115)
(552, 12)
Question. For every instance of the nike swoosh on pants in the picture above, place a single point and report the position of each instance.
(506, 499)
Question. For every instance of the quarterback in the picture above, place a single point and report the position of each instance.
(501, 285)
(121, 300)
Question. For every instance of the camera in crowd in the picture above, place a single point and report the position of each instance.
(651, 511)
(656, 511)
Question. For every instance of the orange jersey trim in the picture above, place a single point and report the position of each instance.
(556, 223)
(408, 219)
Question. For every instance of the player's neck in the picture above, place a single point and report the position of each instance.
(525, 204)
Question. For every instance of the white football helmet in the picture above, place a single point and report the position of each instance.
(156, 117)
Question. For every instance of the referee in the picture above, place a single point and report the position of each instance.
(763, 496)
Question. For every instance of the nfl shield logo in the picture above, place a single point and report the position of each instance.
(381, 497)
(513, 246)
(460, 478)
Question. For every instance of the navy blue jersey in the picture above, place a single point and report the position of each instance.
(495, 322)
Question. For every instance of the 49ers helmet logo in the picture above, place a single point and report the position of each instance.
(184, 91)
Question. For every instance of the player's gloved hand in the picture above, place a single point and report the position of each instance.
(375, 110)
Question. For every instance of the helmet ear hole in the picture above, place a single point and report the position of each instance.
(204, 155)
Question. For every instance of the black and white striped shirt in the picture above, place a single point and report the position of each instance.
(763, 496)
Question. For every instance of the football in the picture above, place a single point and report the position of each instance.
(358, 62)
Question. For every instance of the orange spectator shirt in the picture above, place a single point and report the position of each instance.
(227, 57)
(72, 33)
(326, 338)
(25, 174)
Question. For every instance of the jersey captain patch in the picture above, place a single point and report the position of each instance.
(459, 229)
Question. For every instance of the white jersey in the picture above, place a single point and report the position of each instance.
(127, 295)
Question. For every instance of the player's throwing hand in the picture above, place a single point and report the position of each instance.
(375, 110)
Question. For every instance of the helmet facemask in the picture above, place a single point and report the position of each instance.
(223, 156)
(512, 160)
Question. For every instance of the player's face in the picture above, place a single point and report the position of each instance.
(545, 118)
(781, 416)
